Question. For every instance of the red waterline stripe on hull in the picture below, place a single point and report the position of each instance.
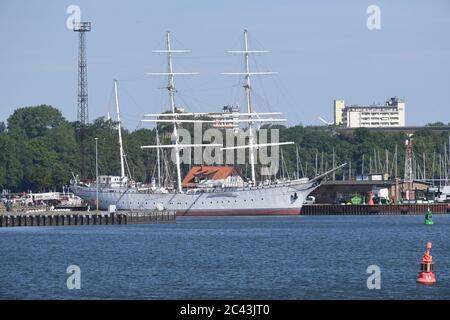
(261, 212)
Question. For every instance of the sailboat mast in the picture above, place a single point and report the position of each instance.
(171, 89)
(448, 162)
(251, 114)
(249, 107)
(158, 158)
(122, 165)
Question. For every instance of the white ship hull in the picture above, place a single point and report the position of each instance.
(278, 199)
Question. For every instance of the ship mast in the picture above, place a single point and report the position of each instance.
(158, 158)
(122, 164)
(252, 146)
(249, 107)
(171, 89)
(173, 115)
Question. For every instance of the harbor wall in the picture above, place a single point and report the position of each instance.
(16, 219)
(383, 209)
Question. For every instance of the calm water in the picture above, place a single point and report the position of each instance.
(228, 258)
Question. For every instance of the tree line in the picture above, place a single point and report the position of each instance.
(40, 151)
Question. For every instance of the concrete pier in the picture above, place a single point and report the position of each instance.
(379, 209)
(22, 219)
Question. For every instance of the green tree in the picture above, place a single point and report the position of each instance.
(35, 121)
(11, 172)
(39, 151)
(141, 162)
(436, 124)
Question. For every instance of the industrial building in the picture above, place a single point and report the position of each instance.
(342, 191)
(391, 114)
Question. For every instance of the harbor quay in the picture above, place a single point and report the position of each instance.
(74, 218)
(376, 209)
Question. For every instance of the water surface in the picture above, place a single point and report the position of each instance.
(300, 257)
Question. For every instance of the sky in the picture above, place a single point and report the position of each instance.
(321, 51)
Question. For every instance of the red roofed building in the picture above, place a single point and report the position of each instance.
(210, 176)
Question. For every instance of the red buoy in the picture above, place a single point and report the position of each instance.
(426, 273)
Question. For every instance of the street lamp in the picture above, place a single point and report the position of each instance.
(96, 167)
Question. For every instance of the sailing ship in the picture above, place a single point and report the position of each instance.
(284, 197)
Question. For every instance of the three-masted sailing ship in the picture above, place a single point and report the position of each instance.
(284, 197)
